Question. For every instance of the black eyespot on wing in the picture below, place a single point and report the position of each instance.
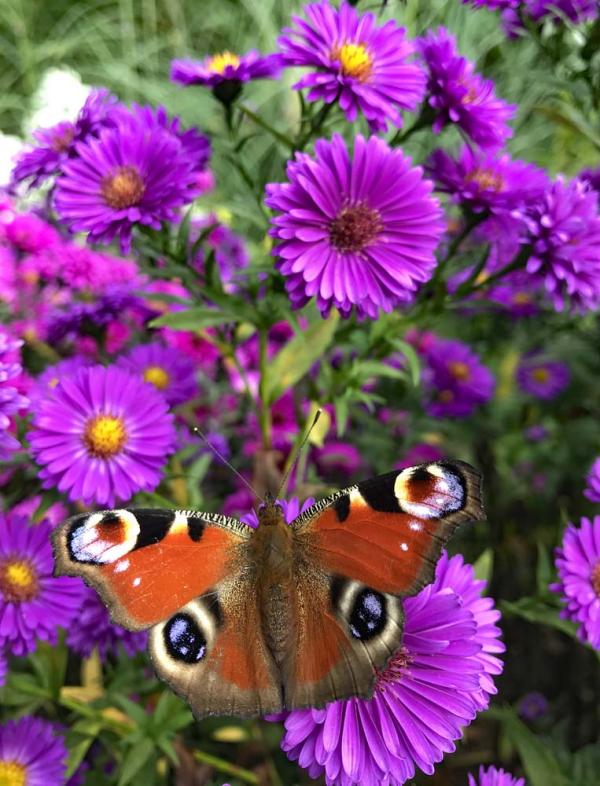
(111, 517)
(342, 507)
(420, 475)
(195, 528)
(154, 525)
(369, 614)
(379, 493)
(183, 639)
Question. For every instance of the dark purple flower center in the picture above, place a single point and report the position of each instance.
(354, 227)
(123, 188)
(596, 578)
(62, 142)
(394, 670)
(18, 580)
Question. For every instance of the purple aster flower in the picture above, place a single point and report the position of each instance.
(32, 753)
(94, 629)
(456, 380)
(541, 378)
(337, 458)
(132, 174)
(533, 706)
(483, 180)
(48, 380)
(578, 567)
(493, 777)
(458, 95)
(576, 11)
(169, 371)
(56, 144)
(230, 252)
(420, 453)
(81, 268)
(292, 508)
(517, 294)
(592, 490)
(33, 604)
(103, 435)
(430, 689)
(356, 62)
(536, 433)
(3, 667)
(356, 232)
(226, 72)
(592, 175)
(11, 401)
(564, 229)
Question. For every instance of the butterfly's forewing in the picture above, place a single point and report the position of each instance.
(358, 554)
(184, 574)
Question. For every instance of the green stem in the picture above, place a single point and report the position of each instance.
(517, 264)
(265, 409)
(224, 766)
(283, 138)
(424, 120)
(316, 124)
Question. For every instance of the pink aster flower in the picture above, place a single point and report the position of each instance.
(103, 435)
(432, 687)
(564, 232)
(354, 232)
(592, 490)
(168, 370)
(578, 567)
(364, 66)
(460, 96)
(491, 776)
(135, 173)
(544, 379)
(33, 604)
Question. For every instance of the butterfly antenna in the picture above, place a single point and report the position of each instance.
(220, 456)
(298, 451)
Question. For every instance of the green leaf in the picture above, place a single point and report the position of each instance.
(412, 359)
(135, 758)
(544, 571)
(540, 763)
(297, 357)
(535, 610)
(77, 754)
(484, 565)
(192, 319)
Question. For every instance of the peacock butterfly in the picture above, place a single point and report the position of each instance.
(244, 621)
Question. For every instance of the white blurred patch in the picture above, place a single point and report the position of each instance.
(60, 96)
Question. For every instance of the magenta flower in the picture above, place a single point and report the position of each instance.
(134, 173)
(421, 453)
(431, 688)
(483, 180)
(576, 11)
(364, 66)
(456, 380)
(33, 604)
(592, 490)
(11, 401)
(578, 567)
(226, 66)
(337, 458)
(32, 753)
(493, 777)
(564, 232)
(51, 377)
(541, 378)
(95, 630)
(355, 233)
(167, 369)
(103, 435)
(459, 96)
(592, 175)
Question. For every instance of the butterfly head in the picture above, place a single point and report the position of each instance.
(270, 512)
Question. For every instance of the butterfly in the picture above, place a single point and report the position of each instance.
(246, 621)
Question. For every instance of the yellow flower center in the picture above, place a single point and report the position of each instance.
(486, 178)
(459, 370)
(123, 188)
(12, 774)
(541, 374)
(521, 298)
(52, 383)
(354, 60)
(596, 578)
(218, 63)
(18, 583)
(105, 436)
(157, 376)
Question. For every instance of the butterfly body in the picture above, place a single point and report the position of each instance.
(247, 621)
